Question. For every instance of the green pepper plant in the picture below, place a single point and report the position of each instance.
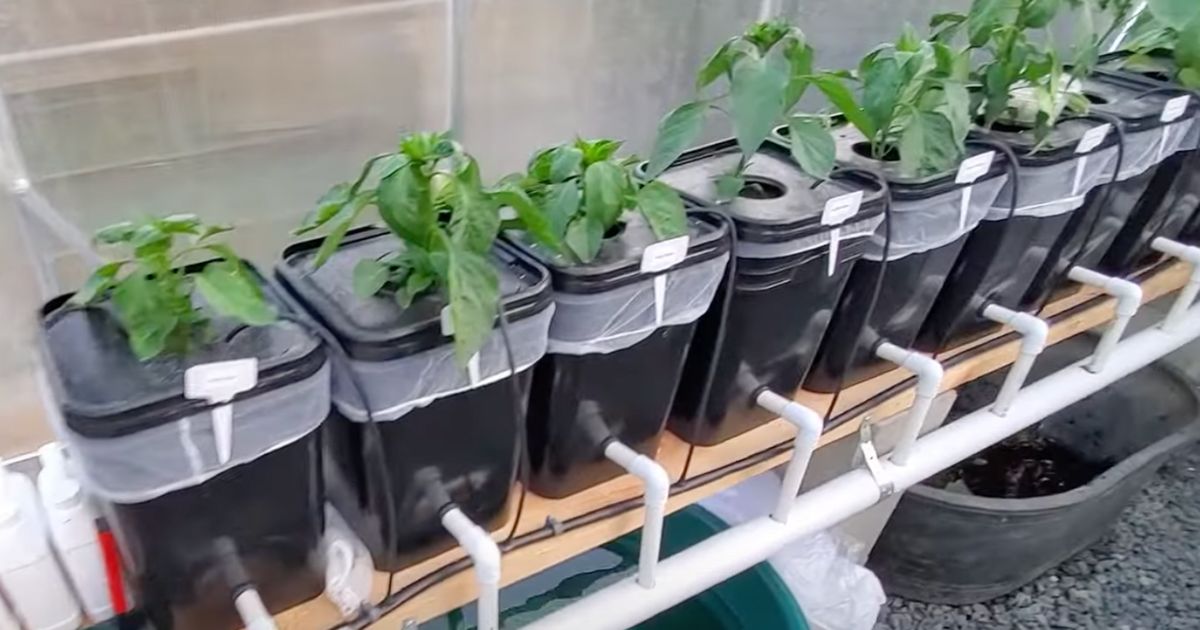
(576, 193)
(151, 291)
(909, 99)
(764, 71)
(430, 196)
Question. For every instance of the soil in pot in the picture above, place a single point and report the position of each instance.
(783, 291)
(616, 350)
(928, 233)
(447, 433)
(1025, 465)
(183, 517)
(1003, 255)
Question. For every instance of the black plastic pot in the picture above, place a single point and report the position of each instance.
(909, 280)
(1125, 231)
(612, 369)
(783, 292)
(1003, 255)
(184, 520)
(454, 444)
(948, 544)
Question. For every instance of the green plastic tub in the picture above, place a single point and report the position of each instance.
(755, 598)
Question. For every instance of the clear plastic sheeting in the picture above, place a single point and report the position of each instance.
(605, 322)
(848, 230)
(1145, 149)
(1192, 140)
(919, 225)
(1051, 190)
(834, 592)
(183, 453)
(394, 388)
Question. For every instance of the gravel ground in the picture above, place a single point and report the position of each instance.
(1144, 575)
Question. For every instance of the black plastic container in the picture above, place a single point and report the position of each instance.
(1123, 233)
(783, 291)
(444, 439)
(1003, 255)
(184, 520)
(612, 366)
(918, 263)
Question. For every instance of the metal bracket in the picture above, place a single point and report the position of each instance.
(866, 448)
(555, 525)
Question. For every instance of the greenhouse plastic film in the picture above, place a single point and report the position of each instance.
(602, 323)
(1051, 190)
(394, 388)
(1144, 149)
(923, 224)
(183, 453)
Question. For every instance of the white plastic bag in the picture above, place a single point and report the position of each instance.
(833, 591)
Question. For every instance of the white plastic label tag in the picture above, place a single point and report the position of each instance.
(218, 383)
(841, 208)
(660, 295)
(964, 207)
(664, 254)
(835, 240)
(1080, 168)
(975, 167)
(447, 321)
(1175, 108)
(1093, 138)
(473, 369)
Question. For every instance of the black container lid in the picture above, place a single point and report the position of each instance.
(792, 203)
(1158, 76)
(620, 258)
(106, 392)
(1120, 95)
(377, 328)
(850, 144)
(1057, 147)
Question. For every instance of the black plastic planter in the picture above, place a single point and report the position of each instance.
(784, 289)
(447, 433)
(1004, 254)
(1003, 517)
(185, 519)
(928, 232)
(617, 347)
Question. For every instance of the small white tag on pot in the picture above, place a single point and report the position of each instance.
(975, 167)
(473, 369)
(1080, 168)
(447, 321)
(218, 383)
(841, 208)
(964, 207)
(1175, 108)
(660, 296)
(835, 240)
(1093, 138)
(664, 254)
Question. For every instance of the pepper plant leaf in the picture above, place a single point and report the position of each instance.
(663, 210)
(405, 203)
(145, 314)
(604, 192)
(757, 97)
(842, 98)
(101, 280)
(812, 146)
(542, 226)
(474, 291)
(584, 236)
(369, 277)
(234, 293)
(677, 133)
(717, 65)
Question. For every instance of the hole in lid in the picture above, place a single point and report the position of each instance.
(1010, 126)
(864, 149)
(761, 188)
(1094, 98)
(616, 229)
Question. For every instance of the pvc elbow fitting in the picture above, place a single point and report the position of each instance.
(929, 372)
(1035, 332)
(807, 421)
(1128, 294)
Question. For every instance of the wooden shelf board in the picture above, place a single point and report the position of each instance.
(1072, 315)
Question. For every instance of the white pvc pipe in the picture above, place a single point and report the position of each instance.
(456, 29)
(1129, 299)
(1034, 333)
(485, 554)
(808, 425)
(724, 555)
(929, 380)
(657, 485)
(1187, 295)
(252, 611)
